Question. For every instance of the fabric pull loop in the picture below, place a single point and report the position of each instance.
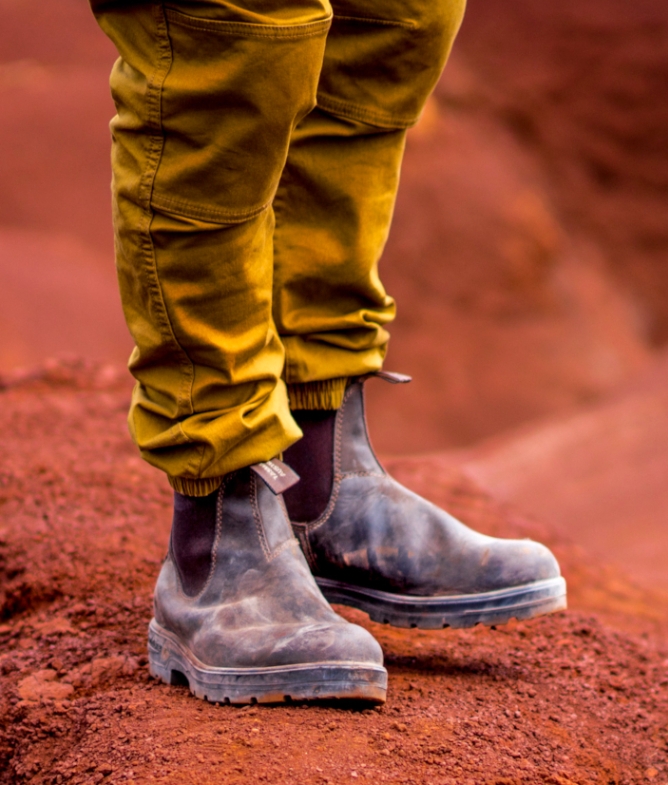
(392, 377)
(276, 475)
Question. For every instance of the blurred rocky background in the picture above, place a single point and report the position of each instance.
(528, 255)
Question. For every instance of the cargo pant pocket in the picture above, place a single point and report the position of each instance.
(233, 94)
(383, 60)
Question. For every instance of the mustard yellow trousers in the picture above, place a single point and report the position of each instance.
(256, 155)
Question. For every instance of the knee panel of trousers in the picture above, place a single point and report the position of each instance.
(383, 58)
(217, 96)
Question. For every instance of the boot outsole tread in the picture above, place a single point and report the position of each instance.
(456, 611)
(172, 662)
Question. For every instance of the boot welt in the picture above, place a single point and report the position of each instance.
(175, 664)
(457, 610)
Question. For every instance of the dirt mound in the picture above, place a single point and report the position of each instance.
(581, 697)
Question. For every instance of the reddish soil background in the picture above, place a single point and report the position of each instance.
(581, 697)
(528, 258)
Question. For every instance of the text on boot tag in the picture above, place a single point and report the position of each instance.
(278, 476)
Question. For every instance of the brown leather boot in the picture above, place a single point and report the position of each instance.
(376, 546)
(238, 614)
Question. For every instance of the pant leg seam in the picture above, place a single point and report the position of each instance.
(253, 30)
(351, 111)
(277, 206)
(371, 20)
(184, 209)
(154, 155)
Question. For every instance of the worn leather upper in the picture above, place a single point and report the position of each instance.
(376, 533)
(260, 605)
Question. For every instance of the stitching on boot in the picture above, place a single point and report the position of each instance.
(302, 534)
(216, 539)
(368, 438)
(280, 548)
(257, 517)
(338, 476)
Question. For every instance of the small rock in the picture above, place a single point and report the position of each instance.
(59, 625)
(105, 668)
(79, 677)
(43, 686)
(651, 773)
(130, 667)
(8, 666)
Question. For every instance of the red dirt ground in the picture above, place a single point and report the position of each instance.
(578, 698)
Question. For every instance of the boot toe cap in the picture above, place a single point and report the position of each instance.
(281, 645)
(342, 642)
(519, 562)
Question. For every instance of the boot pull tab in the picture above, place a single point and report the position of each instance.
(392, 377)
(276, 475)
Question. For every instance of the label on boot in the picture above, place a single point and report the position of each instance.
(278, 476)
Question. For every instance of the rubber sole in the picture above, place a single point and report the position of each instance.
(170, 661)
(462, 610)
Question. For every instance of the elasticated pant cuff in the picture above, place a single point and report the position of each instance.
(191, 487)
(327, 394)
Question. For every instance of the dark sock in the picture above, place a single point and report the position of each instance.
(312, 457)
(193, 533)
